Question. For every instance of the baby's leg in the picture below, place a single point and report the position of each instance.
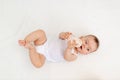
(38, 37)
(37, 59)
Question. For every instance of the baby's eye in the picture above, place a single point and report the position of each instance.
(88, 49)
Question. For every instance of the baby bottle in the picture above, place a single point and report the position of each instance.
(77, 40)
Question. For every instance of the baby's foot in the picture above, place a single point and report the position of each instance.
(29, 46)
(21, 42)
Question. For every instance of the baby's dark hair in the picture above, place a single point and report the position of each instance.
(96, 40)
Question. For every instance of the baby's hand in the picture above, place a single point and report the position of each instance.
(64, 35)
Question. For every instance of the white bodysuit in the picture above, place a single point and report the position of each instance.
(53, 49)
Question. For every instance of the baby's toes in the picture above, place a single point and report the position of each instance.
(21, 42)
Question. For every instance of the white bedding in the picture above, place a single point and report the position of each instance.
(98, 17)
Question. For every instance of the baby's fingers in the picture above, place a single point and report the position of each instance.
(67, 34)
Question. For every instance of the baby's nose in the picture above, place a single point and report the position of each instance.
(83, 46)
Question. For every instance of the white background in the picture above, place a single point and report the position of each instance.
(98, 17)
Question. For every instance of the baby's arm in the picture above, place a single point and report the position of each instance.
(64, 35)
(68, 54)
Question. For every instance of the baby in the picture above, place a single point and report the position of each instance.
(65, 47)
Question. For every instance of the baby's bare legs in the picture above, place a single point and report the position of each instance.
(36, 58)
(38, 38)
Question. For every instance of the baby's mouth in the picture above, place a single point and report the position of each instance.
(80, 47)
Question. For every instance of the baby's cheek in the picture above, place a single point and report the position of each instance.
(84, 51)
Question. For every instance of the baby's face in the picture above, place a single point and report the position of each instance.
(88, 45)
